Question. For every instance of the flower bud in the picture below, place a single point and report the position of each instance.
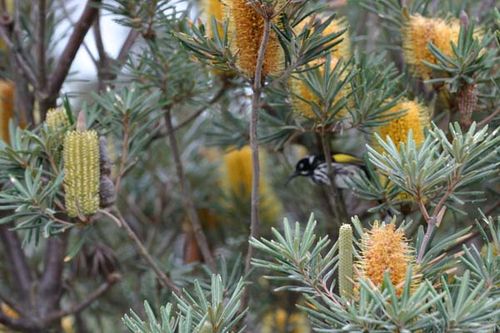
(81, 172)
(345, 261)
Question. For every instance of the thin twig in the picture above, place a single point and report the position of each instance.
(254, 144)
(127, 45)
(436, 216)
(488, 119)
(67, 16)
(187, 198)
(124, 154)
(103, 288)
(27, 70)
(335, 197)
(68, 55)
(162, 277)
(42, 75)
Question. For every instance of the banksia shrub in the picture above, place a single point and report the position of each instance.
(418, 32)
(6, 108)
(385, 249)
(246, 30)
(345, 261)
(81, 172)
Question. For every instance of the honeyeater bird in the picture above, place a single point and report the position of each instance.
(315, 167)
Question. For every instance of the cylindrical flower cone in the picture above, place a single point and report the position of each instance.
(385, 249)
(237, 176)
(415, 118)
(81, 173)
(246, 29)
(345, 261)
(6, 108)
(301, 92)
(418, 32)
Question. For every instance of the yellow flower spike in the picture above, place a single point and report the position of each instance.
(213, 8)
(301, 93)
(8, 311)
(246, 27)
(6, 108)
(57, 119)
(81, 172)
(415, 118)
(385, 249)
(418, 32)
(342, 49)
(237, 181)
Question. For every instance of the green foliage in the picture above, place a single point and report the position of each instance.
(297, 264)
(216, 310)
(471, 62)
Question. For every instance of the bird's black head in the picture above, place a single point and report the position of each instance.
(305, 167)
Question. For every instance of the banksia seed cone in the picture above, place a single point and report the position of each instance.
(81, 172)
(385, 249)
(418, 32)
(415, 118)
(345, 261)
(6, 108)
(246, 29)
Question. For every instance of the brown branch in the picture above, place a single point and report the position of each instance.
(50, 284)
(68, 55)
(103, 288)
(127, 45)
(42, 75)
(17, 261)
(254, 143)
(163, 278)
(488, 119)
(187, 198)
(67, 16)
(124, 154)
(27, 70)
(21, 324)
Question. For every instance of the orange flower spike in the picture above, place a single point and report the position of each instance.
(385, 249)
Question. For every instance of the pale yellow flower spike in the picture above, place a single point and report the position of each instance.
(56, 119)
(418, 32)
(81, 172)
(246, 29)
(385, 249)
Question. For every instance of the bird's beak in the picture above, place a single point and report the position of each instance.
(295, 174)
